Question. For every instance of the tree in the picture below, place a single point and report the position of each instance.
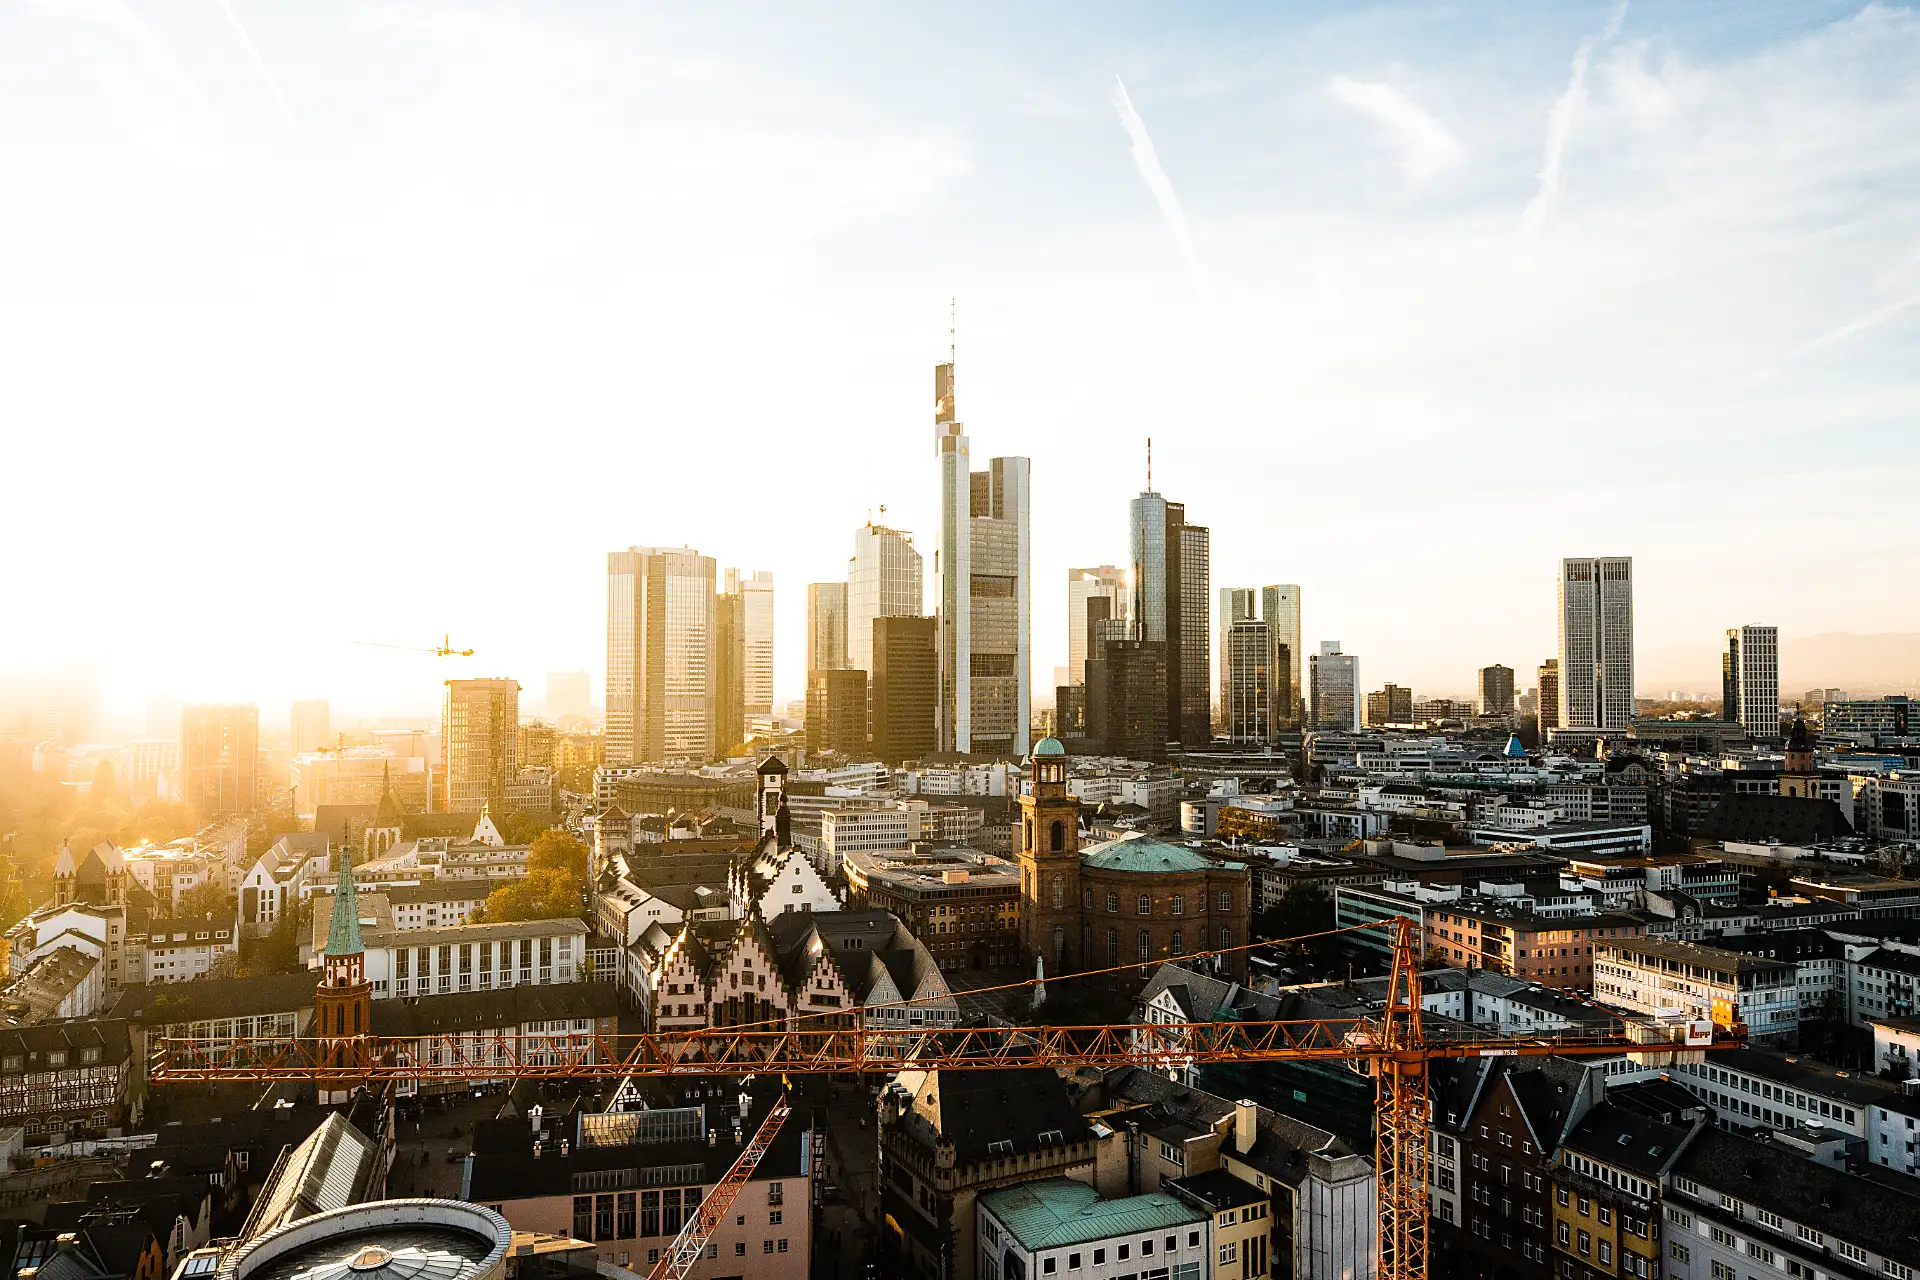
(525, 828)
(548, 894)
(208, 899)
(558, 851)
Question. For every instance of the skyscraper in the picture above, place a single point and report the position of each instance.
(1107, 583)
(1750, 680)
(886, 578)
(729, 668)
(826, 626)
(1336, 687)
(1596, 643)
(1171, 570)
(220, 759)
(982, 567)
(1390, 704)
(756, 595)
(1247, 681)
(480, 743)
(1549, 697)
(1496, 690)
(660, 689)
(1280, 610)
(837, 711)
(309, 728)
(1237, 604)
(905, 689)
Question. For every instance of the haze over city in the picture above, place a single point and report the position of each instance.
(386, 322)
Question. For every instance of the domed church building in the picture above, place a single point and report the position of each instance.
(1135, 900)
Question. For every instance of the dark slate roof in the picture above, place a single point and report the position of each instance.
(453, 889)
(1455, 1084)
(1215, 1190)
(976, 1108)
(482, 1010)
(1628, 1139)
(109, 1035)
(1662, 1099)
(505, 1168)
(340, 821)
(1789, 819)
(1546, 1090)
(1896, 961)
(1845, 1206)
(1785, 944)
(218, 998)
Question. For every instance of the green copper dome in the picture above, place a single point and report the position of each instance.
(1049, 747)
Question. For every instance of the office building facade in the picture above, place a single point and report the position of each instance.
(756, 600)
(982, 569)
(1496, 690)
(220, 759)
(1171, 588)
(1750, 680)
(729, 669)
(480, 744)
(1547, 695)
(310, 727)
(1336, 688)
(826, 626)
(885, 579)
(660, 677)
(1247, 701)
(1596, 642)
(837, 711)
(904, 696)
(1107, 582)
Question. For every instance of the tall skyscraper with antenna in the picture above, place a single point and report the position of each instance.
(1172, 572)
(981, 567)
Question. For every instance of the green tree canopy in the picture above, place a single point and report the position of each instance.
(548, 894)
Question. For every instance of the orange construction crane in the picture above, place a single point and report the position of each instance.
(444, 649)
(1393, 1046)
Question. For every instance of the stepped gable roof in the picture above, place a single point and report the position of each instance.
(1759, 818)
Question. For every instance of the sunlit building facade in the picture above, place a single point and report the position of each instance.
(480, 734)
(1596, 643)
(660, 676)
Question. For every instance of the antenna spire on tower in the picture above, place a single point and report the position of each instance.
(1149, 464)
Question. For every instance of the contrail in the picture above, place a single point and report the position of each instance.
(1865, 322)
(259, 63)
(1560, 129)
(1147, 161)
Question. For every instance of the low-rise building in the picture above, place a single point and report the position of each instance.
(962, 903)
(1557, 951)
(179, 948)
(1062, 1228)
(460, 957)
(536, 1024)
(1751, 1091)
(1734, 1205)
(1607, 1178)
(1687, 981)
(61, 1080)
(1881, 984)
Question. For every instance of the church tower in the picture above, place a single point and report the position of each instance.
(1799, 778)
(1050, 924)
(343, 1002)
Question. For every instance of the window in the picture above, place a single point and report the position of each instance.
(583, 1217)
(1851, 1253)
(1680, 1252)
(1099, 1257)
(1179, 906)
(1146, 904)
(1113, 902)
(1768, 1219)
(1560, 1195)
(1898, 1270)
(1679, 1218)
(1606, 1253)
(1146, 945)
(1073, 1262)
(1049, 1265)
(1229, 1252)
(1560, 1230)
(1226, 899)
(773, 1217)
(1606, 1216)
(1586, 1244)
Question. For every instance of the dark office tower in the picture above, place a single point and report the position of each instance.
(837, 711)
(1127, 699)
(1549, 678)
(729, 672)
(1248, 704)
(1171, 577)
(1496, 690)
(906, 688)
(220, 759)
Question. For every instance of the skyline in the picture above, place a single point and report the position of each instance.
(1680, 344)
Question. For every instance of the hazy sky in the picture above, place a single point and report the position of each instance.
(323, 323)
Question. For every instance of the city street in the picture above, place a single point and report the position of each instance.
(431, 1130)
(844, 1226)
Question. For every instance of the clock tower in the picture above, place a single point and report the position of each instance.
(1050, 924)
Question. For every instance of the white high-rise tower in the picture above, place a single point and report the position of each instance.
(983, 602)
(1750, 680)
(1596, 643)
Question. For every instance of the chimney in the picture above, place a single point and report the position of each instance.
(1246, 1126)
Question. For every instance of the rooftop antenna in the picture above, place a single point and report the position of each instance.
(1149, 464)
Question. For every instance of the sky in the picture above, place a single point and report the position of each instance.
(378, 322)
